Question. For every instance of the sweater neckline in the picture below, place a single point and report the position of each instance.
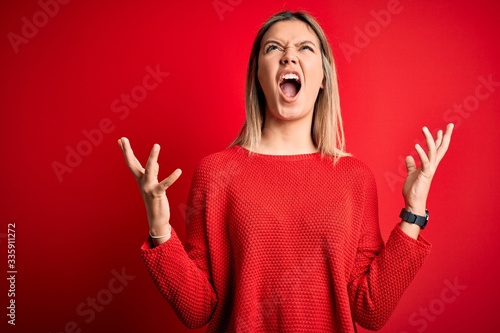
(296, 157)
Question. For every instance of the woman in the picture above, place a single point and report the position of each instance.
(282, 227)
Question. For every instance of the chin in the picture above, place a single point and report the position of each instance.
(290, 112)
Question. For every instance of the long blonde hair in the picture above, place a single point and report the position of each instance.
(327, 131)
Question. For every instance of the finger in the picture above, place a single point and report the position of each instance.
(132, 162)
(439, 138)
(130, 158)
(445, 143)
(410, 164)
(171, 179)
(431, 145)
(151, 170)
(424, 160)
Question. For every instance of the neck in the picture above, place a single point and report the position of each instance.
(286, 137)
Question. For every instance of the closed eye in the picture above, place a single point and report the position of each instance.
(306, 47)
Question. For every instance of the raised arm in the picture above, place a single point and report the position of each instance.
(181, 273)
(383, 273)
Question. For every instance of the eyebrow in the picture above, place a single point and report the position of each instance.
(269, 41)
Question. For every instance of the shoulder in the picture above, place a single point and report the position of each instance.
(221, 158)
(355, 174)
(220, 163)
(353, 167)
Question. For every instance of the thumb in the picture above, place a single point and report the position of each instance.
(171, 179)
(410, 164)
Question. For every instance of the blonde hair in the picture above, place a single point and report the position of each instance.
(327, 131)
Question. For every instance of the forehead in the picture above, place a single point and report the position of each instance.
(291, 31)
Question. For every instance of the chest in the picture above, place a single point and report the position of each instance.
(305, 209)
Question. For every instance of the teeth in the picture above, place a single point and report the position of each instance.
(290, 77)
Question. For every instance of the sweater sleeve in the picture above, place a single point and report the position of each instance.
(381, 273)
(181, 273)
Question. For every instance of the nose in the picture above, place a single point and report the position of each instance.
(288, 57)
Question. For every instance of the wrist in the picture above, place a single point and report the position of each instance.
(410, 229)
(157, 210)
(157, 220)
(160, 235)
(159, 230)
(416, 209)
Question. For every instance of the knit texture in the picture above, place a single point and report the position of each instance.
(283, 244)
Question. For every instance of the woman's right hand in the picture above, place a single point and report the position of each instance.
(153, 192)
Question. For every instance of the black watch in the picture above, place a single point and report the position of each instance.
(419, 220)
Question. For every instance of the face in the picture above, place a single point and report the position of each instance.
(290, 70)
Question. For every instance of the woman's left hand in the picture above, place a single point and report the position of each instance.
(418, 181)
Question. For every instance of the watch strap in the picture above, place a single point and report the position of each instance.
(419, 220)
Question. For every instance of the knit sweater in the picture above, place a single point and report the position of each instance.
(283, 244)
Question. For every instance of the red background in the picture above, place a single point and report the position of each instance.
(74, 230)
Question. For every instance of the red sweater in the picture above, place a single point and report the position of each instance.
(283, 244)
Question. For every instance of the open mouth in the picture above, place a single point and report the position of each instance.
(290, 85)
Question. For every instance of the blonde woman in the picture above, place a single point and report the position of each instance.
(282, 226)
